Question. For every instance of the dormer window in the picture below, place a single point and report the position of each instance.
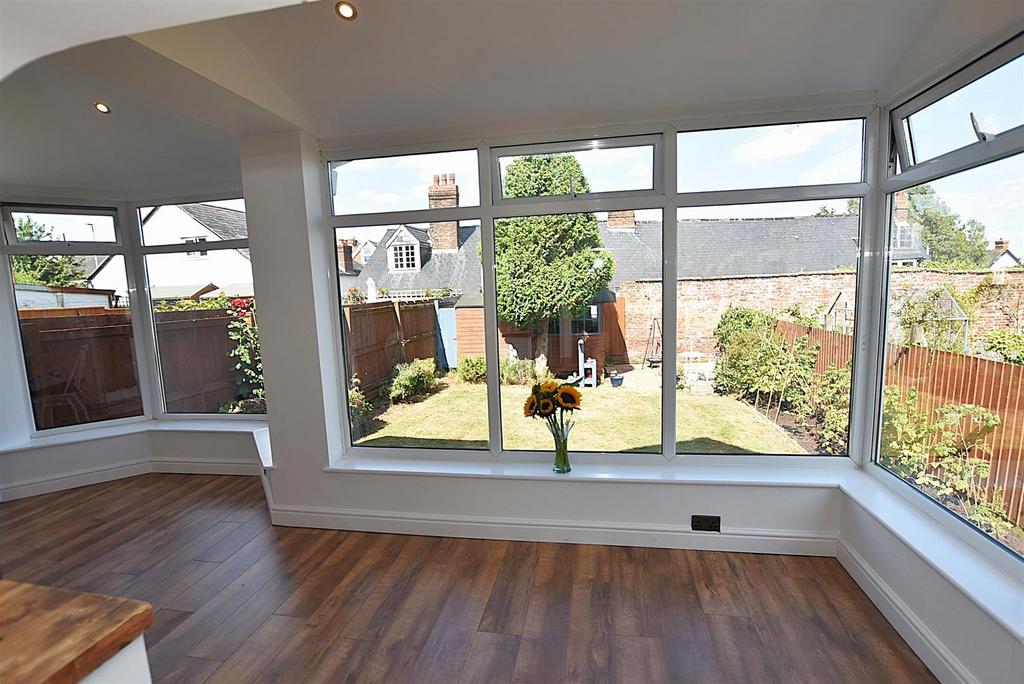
(404, 258)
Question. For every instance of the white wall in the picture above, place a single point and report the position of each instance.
(41, 297)
(67, 461)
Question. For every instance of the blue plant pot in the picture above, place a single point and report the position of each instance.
(616, 380)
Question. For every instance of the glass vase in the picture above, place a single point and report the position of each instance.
(561, 465)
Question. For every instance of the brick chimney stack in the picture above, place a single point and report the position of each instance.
(622, 220)
(345, 262)
(902, 217)
(1002, 245)
(444, 194)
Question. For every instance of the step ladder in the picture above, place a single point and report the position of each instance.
(652, 352)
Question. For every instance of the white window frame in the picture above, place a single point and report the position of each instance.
(583, 145)
(979, 68)
(9, 246)
(157, 396)
(1008, 144)
(493, 206)
(10, 230)
(374, 217)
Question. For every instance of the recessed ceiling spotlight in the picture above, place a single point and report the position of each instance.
(102, 107)
(346, 10)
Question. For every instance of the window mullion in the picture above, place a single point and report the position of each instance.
(491, 354)
(146, 357)
(669, 287)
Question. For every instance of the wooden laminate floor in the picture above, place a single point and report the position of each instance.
(238, 600)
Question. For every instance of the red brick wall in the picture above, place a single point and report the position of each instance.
(701, 302)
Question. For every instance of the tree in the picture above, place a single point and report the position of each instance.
(950, 242)
(548, 265)
(825, 210)
(51, 269)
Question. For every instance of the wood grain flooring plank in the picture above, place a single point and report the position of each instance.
(506, 608)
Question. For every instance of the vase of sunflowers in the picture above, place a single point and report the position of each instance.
(554, 402)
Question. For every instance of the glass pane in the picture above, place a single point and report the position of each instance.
(194, 223)
(412, 322)
(76, 332)
(576, 173)
(42, 226)
(415, 181)
(579, 301)
(952, 418)
(770, 156)
(206, 332)
(996, 100)
(765, 309)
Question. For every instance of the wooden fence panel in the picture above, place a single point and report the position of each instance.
(81, 369)
(195, 361)
(942, 378)
(380, 335)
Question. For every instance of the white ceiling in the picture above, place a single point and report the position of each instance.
(184, 95)
(30, 29)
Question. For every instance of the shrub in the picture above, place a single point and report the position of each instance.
(354, 295)
(945, 455)
(257, 405)
(1008, 344)
(413, 379)
(244, 332)
(359, 408)
(517, 372)
(832, 408)
(472, 369)
(737, 319)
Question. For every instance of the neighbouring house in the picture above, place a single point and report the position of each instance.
(1001, 258)
(198, 273)
(412, 262)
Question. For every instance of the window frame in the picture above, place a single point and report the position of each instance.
(666, 198)
(582, 145)
(893, 179)
(902, 136)
(396, 261)
(157, 396)
(61, 246)
(852, 115)
(120, 212)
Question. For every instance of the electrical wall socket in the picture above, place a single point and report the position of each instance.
(706, 523)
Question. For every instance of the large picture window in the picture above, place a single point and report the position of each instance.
(952, 415)
(413, 333)
(765, 313)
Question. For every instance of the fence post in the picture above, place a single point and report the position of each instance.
(401, 331)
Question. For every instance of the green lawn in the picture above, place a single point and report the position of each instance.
(611, 419)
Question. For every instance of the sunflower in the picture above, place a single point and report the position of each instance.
(546, 406)
(549, 386)
(530, 407)
(568, 397)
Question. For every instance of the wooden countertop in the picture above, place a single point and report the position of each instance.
(55, 635)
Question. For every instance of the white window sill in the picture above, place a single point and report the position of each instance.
(105, 432)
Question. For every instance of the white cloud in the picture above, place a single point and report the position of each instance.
(780, 142)
(381, 198)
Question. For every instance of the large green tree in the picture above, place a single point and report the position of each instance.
(950, 241)
(50, 269)
(548, 265)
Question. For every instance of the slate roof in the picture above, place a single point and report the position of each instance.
(227, 224)
(706, 249)
(457, 270)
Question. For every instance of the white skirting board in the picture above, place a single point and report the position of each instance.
(940, 660)
(796, 542)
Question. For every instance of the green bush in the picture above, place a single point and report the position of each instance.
(832, 408)
(517, 372)
(413, 379)
(359, 408)
(1008, 344)
(944, 454)
(737, 319)
(472, 369)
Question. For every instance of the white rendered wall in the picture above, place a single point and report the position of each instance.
(282, 182)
